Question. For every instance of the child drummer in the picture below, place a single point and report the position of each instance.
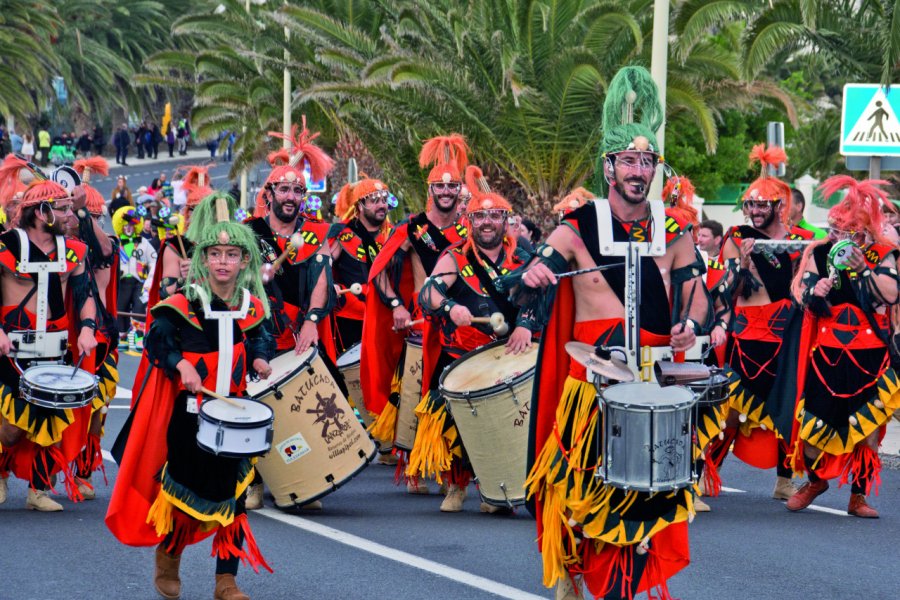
(170, 492)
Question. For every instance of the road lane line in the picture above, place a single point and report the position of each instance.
(123, 393)
(107, 456)
(731, 490)
(830, 511)
(435, 568)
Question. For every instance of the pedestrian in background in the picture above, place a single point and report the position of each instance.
(121, 195)
(71, 140)
(83, 146)
(170, 140)
(182, 136)
(121, 141)
(5, 145)
(139, 139)
(99, 141)
(156, 139)
(28, 146)
(229, 149)
(44, 146)
(16, 141)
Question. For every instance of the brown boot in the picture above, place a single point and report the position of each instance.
(227, 588)
(784, 489)
(453, 501)
(859, 508)
(806, 494)
(166, 579)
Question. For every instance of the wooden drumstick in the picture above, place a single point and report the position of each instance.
(296, 241)
(355, 289)
(173, 220)
(230, 401)
(414, 323)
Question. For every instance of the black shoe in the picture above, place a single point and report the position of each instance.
(124, 164)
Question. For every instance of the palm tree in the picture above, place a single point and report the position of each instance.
(26, 30)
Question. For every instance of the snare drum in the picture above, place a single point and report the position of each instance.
(348, 364)
(318, 444)
(713, 391)
(647, 436)
(410, 395)
(55, 386)
(228, 430)
(488, 392)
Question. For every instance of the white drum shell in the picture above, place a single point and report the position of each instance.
(230, 431)
(647, 436)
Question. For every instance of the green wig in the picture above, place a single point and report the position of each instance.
(631, 91)
(227, 233)
(204, 215)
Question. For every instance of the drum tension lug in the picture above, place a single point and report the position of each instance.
(505, 495)
(471, 407)
(330, 479)
(278, 394)
(513, 392)
(684, 428)
(617, 430)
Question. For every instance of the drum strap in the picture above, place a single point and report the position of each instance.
(43, 270)
(225, 319)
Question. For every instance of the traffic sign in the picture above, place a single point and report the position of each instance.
(869, 124)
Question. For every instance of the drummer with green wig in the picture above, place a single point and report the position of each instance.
(205, 340)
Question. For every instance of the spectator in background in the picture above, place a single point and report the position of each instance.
(709, 237)
(99, 141)
(121, 141)
(154, 188)
(798, 205)
(165, 187)
(170, 140)
(71, 140)
(121, 195)
(5, 145)
(229, 149)
(182, 136)
(16, 141)
(28, 146)
(156, 139)
(60, 153)
(44, 146)
(212, 144)
(534, 232)
(83, 146)
(139, 139)
(518, 231)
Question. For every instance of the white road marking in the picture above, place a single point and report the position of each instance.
(123, 393)
(107, 456)
(731, 490)
(830, 511)
(118, 407)
(481, 583)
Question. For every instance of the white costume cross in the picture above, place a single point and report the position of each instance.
(226, 319)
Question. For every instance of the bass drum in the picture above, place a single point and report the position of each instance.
(488, 392)
(348, 364)
(318, 444)
(410, 395)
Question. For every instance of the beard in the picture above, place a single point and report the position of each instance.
(767, 220)
(489, 239)
(625, 186)
(281, 215)
(375, 216)
(57, 228)
(439, 200)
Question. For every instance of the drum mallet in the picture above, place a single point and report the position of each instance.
(497, 322)
(296, 241)
(212, 394)
(173, 220)
(411, 324)
(355, 289)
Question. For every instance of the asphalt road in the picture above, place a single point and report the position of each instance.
(375, 541)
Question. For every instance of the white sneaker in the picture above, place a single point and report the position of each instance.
(40, 500)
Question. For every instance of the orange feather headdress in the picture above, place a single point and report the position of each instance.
(768, 188)
(85, 168)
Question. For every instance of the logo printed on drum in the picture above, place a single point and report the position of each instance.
(670, 453)
(292, 448)
(327, 413)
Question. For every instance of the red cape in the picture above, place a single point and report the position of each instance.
(381, 345)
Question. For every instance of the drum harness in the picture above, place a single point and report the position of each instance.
(39, 343)
(225, 320)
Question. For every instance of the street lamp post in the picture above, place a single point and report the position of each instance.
(659, 63)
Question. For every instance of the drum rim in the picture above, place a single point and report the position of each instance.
(227, 454)
(344, 353)
(483, 392)
(680, 405)
(288, 377)
(65, 369)
(244, 425)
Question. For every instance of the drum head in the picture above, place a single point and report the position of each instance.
(283, 366)
(220, 411)
(647, 395)
(58, 377)
(350, 357)
(488, 367)
(414, 340)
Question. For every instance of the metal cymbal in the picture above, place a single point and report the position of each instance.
(607, 366)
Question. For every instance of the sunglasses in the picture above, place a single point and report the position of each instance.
(495, 216)
(450, 187)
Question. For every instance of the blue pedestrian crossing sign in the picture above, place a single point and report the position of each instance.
(869, 124)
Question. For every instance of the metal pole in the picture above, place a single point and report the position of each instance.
(286, 117)
(244, 200)
(874, 167)
(659, 60)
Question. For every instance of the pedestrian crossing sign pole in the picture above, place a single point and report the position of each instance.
(869, 124)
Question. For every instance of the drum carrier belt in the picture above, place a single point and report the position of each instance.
(225, 320)
(39, 343)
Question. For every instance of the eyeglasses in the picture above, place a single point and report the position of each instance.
(284, 190)
(228, 258)
(759, 205)
(64, 209)
(481, 216)
(376, 198)
(450, 186)
(643, 161)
